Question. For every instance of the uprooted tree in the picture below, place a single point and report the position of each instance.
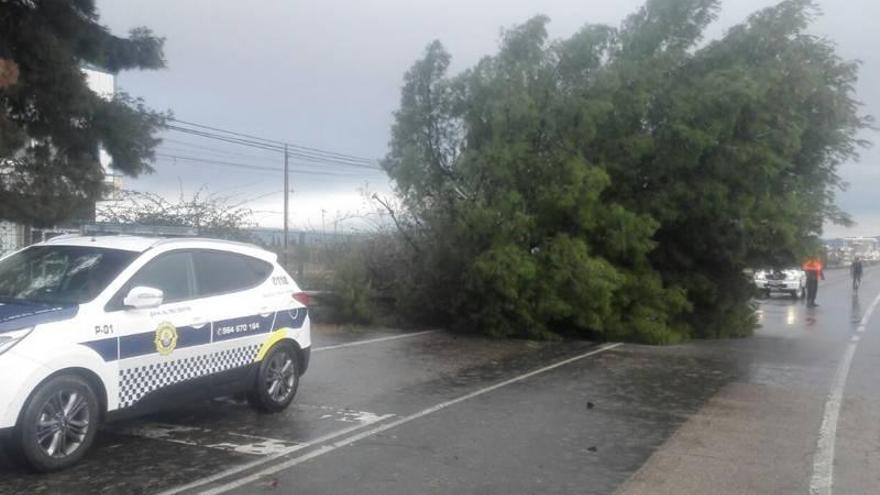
(51, 123)
(616, 184)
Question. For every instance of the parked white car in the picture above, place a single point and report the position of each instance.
(97, 328)
(792, 281)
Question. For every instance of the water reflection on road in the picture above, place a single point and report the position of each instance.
(855, 311)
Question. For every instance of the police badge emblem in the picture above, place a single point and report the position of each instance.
(166, 338)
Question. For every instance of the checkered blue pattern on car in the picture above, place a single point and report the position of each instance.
(138, 381)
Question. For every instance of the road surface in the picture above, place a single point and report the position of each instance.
(792, 410)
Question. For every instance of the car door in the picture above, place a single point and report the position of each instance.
(241, 318)
(163, 350)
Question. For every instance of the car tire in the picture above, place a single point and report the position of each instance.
(277, 380)
(58, 424)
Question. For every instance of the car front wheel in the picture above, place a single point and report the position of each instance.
(277, 380)
(58, 424)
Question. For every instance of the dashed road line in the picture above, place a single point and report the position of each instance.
(231, 485)
(822, 478)
(372, 341)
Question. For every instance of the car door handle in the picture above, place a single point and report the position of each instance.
(198, 322)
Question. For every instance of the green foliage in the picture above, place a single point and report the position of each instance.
(352, 291)
(51, 124)
(617, 184)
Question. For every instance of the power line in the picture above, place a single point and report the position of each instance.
(251, 167)
(240, 141)
(303, 166)
(214, 154)
(306, 149)
(271, 147)
(228, 153)
(245, 166)
(215, 150)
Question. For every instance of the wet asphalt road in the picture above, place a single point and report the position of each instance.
(436, 413)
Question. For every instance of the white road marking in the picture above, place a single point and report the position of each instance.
(371, 341)
(197, 437)
(264, 460)
(231, 441)
(387, 426)
(823, 459)
(351, 416)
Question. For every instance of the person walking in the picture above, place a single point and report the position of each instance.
(813, 269)
(856, 272)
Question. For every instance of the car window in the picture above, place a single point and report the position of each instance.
(60, 274)
(170, 273)
(220, 273)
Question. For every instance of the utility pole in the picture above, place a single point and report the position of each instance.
(286, 205)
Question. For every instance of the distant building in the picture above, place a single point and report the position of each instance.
(863, 247)
(843, 251)
(12, 236)
(104, 84)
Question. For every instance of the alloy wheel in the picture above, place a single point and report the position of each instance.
(63, 423)
(280, 376)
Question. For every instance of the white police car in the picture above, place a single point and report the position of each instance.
(97, 328)
(792, 281)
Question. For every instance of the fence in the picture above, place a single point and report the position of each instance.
(310, 255)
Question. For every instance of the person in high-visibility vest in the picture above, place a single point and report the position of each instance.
(813, 269)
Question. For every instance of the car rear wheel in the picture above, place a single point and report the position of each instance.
(277, 380)
(58, 424)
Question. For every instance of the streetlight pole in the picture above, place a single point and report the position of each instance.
(286, 205)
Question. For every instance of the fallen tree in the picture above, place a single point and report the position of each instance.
(616, 184)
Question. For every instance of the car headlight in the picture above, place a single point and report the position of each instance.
(9, 339)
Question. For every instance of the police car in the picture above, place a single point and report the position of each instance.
(98, 328)
(792, 281)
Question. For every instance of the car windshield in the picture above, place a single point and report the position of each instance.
(59, 274)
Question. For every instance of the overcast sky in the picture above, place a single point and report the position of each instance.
(327, 74)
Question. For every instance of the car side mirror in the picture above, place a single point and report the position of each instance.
(141, 297)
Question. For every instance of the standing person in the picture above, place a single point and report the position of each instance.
(813, 269)
(856, 272)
